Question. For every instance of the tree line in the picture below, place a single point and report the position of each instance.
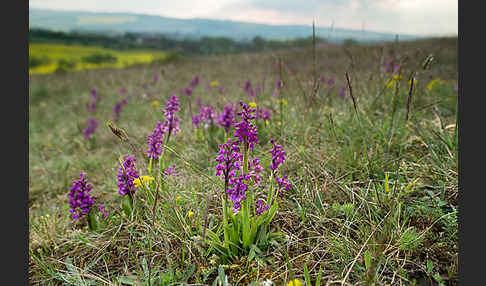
(185, 46)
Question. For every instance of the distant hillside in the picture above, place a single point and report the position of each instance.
(119, 23)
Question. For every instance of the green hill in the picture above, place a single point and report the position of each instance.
(118, 23)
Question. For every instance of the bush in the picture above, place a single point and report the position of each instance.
(64, 65)
(170, 57)
(350, 42)
(37, 61)
(100, 58)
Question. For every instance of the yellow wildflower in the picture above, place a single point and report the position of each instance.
(214, 84)
(414, 81)
(295, 282)
(279, 123)
(267, 122)
(155, 103)
(326, 107)
(252, 105)
(145, 179)
(285, 102)
(432, 83)
(137, 183)
(190, 213)
(392, 80)
(178, 198)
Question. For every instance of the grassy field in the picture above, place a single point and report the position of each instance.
(374, 195)
(49, 56)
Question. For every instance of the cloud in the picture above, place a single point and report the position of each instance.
(177, 9)
(419, 17)
(431, 17)
(294, 7)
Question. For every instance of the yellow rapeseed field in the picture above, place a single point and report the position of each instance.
(55, 52)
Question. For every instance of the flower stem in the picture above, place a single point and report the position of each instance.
(270, 191)
(92, 224)
(151, 165)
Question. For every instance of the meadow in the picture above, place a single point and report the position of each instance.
(53, 57)
(365, 191)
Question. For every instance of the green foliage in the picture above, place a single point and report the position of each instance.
(39, 94)
(244, 233)
(156, 275)
(367, 257)
(37, 61)
(169, 58)
(216, 45)
(92, 220)
(258, 43)
(349, 43)
(345, 209)
(64, 65)
(410, 240)
(99, 58)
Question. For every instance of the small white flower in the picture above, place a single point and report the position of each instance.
(267, 282)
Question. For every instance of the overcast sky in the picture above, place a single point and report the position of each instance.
(417, 17)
